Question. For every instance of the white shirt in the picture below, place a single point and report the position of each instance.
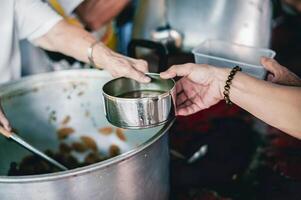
(33, 59)
(69, 5)
(21, 19)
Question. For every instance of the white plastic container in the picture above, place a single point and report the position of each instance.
(224, 54)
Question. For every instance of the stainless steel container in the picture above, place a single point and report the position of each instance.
(37, 107)
(133, 105)
(243, 22)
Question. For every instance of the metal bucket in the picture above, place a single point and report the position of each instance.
(37, 107)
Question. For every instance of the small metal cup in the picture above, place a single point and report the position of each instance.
(133, 105)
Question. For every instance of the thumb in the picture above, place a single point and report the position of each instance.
(5, 123)
(177, 70)
(139, 76)
(3, 120)
(270, 77)
(269, 64)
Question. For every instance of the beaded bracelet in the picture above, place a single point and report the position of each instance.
(228, 83)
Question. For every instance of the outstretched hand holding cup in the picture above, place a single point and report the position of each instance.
(198, 89)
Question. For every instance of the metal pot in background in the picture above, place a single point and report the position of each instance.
(37, 107)
(242, 22)
(156, 50)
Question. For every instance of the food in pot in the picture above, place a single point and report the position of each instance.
(33, 164)
(65, 148)
(86, 145)
(79, 147)
(63, 133)
(120, 134)
(106, 130)
(114, 150)
(92, 158)
(66, 120)
(87, 113)
(81, 93)
(89, 143)
(52, 116)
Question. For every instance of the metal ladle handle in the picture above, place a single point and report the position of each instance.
(23, 143)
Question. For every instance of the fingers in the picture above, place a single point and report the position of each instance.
(130, 68)
(179, 86)
(188, 110)
(139, 68)
(138, 76)
(270, 77)
(177, 70)
(4, 122)
(191, 105)
(141, 65)
(274, 68)
(269, 64)
(182, 97)
(122, 66)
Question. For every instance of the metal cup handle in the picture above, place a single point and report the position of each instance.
(159, 48)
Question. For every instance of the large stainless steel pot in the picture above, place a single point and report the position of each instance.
(36, 107)
(242, 22)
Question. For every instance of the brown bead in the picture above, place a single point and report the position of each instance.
(228, 83)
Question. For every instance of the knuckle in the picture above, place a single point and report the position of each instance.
(122, 61)
(124, 70)
(186, 65)
(3, 120)
(142, 62)
(115, 74)
(172, 68)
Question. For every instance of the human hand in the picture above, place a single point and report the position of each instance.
(119, 65)
(198, 89)
(3, 120)
(74, 41)
(279, 74)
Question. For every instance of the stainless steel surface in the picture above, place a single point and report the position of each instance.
(242, 22)
(140, 172)
(139, 112)
(168, 36)
(34, 150)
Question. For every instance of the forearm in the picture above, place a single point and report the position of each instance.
(279, 106)
(69, 40)
(75, 42)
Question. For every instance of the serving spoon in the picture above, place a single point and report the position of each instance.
(20, 141)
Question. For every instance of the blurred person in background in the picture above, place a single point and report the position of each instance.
(96, 16)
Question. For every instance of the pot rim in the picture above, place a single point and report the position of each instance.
(90, 168)
(161, 96)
